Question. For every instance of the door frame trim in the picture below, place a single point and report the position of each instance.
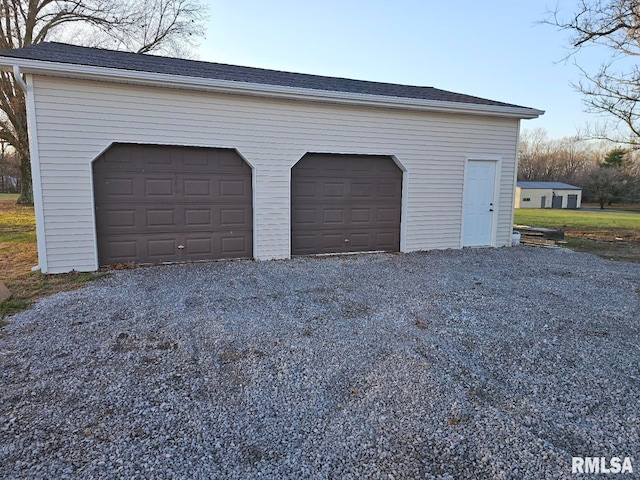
(497, 174)
(404, 198)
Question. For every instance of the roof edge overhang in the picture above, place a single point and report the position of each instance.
(87, 72)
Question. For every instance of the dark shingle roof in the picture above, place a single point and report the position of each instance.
(72, 54)
(552, 185)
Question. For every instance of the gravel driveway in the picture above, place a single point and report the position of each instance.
(489, 363)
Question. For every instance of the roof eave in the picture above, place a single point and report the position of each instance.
(86, 72)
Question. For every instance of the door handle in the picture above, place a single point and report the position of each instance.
(491, 209)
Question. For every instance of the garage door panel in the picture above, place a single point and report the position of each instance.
(302, 190)
(304, 216)
(196, 188)
(335, 189)
(388, 190)
(364, 240)
(387, 216)
(162, 248)
(159, 187)
(121, 218)
(165, 204)
(358, 215)
(234, 246)
(121, 250)
(359, 240)
(141, 218)
(197, 217)
(197, 158)
(233, 217)
(361, 190)
(345, 203)
(331, 241)
(305, 243)
(222, 188)
(153, 157)
(199, 245)
(387, 240)
(117, 157)
(332, 216)
(160, 218)
(118, 188)
(155, 188)
(175, 218)
(233, 188)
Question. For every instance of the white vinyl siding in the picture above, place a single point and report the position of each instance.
(77, 120)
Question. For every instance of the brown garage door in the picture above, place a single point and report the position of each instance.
(345, 203)
(159, 204)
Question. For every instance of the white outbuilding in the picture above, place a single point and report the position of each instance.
(146, 159)
(547, 195)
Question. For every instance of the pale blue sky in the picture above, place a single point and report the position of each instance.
(493, 49)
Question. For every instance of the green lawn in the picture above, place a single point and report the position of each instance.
(605, 221)
(9, 196)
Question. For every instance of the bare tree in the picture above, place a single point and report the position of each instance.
(143, 26)
(545, 159)
(535, 152)
(574, 157)
(614, 88)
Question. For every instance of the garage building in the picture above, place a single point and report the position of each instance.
(139, 158)
(547, 195)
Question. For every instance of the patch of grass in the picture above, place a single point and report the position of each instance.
(18, 253)
(608, 234)
(609, 223)
(9, 196)
(9, 307)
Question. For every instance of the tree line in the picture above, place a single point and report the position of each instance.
(607, 172)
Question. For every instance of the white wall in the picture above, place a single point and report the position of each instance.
(76, 120)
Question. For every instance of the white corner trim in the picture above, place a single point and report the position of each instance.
(36, 178)
(254, 201)
(85, 72)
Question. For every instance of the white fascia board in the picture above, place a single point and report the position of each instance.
(38, 67)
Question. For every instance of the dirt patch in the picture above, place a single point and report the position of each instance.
(611, 248)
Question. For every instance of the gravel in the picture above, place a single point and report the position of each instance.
(475, 363)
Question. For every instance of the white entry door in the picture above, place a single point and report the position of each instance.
(479, 199)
